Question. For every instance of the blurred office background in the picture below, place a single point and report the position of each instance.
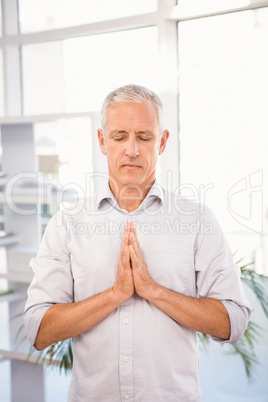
(208, 61)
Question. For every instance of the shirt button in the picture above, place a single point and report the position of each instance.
(126, 321)
(125, 359)
(126, 396)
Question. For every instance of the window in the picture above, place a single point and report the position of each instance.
(1, 85)
(76, 74)
(64, 152)
(223, 63)
(49, 14)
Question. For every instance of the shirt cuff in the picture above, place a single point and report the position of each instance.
(239, 318)
(32, 320)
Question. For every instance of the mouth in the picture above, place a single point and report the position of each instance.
(131, 166)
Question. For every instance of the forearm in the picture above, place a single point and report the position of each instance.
(206, 315)
(63, 321)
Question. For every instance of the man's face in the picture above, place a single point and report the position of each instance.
(132, 144)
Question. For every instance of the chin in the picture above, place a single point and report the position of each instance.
(131, 180)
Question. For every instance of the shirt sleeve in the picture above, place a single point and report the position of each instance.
(218, 277)
(53, 280)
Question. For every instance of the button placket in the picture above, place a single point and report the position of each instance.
(126, 349)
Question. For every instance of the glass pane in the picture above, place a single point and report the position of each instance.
(1, 85)
(64, 151)
(50, 14)
(223, 64)
(76, 74)
(42, 78)
(195, 7)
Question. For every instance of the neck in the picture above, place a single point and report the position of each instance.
(130, 197)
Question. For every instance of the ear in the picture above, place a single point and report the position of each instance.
(163, 141)
(102, 142)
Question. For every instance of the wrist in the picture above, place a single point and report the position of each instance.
(152, 291)
(117, 296)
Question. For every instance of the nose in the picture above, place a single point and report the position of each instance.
(132, 148)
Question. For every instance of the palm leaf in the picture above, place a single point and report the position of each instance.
(245, 348)
(258, 284)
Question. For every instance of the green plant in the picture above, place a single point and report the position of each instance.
(245, 348)
(61, 353)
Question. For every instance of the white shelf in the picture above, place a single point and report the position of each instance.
(20, 350)
(33, 198)
(8, 240)
(12, 354)
(3, 181)
(47, 117)
(17, 277)
(11, 297)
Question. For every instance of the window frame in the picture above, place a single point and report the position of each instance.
(168, 14)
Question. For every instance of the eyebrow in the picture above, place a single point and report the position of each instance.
(112, 133)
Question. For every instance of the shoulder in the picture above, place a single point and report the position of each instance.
(186, 206)
(191, 214)
(75, 211)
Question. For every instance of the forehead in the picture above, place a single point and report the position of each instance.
(141, 115)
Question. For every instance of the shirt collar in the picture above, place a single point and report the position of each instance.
(155, 192)
(105, 194)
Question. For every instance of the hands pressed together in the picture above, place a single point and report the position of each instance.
(132, 272)
(66, 320)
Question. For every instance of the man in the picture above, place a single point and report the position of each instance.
(133, 302)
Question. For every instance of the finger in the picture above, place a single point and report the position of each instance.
(135, 261)
(133, 256)
(133, 242)
(126, 258)
(133, 230)
(124, 242)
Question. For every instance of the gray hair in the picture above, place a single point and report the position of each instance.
(132, 94)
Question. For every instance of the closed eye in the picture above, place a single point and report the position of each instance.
(119, 139)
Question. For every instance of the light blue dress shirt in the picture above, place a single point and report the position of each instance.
(137, 353)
